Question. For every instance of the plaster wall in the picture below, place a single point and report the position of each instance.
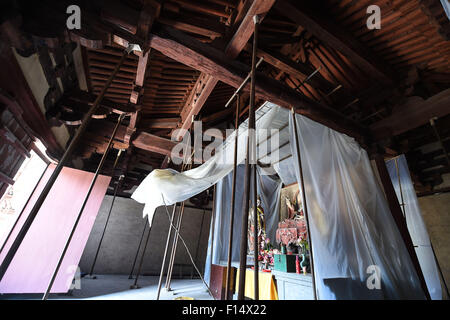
(124, 232)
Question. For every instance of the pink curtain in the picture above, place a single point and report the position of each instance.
(32, 266)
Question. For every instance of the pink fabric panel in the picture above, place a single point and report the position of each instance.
(31, 269)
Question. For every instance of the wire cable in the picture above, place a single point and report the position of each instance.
(187, 249)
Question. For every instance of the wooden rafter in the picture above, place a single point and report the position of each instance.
(206, 83)
(412, 115)
(209, 60)
(332, 34)
(149, 13)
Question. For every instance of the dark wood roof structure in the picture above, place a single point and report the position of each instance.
(380, 86)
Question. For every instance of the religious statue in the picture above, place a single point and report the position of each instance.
(294, 207)
(261, 226)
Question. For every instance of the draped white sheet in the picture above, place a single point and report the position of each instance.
(351, 225)
(352, 228)
(416, 225)
(268, 188)
(166, 187)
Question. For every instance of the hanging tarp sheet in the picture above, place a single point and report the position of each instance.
(354, 237)
(166, 187)
(399, 173)
(356, 243)
(268, 188)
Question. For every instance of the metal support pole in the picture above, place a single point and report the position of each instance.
(233, 201)
(174, 249)
(135, 285)
(137, 252)
(254, 160)
(199, 237)
(213, 227)
(86, 198)
(67, 154)
(238, 90)
(23, 209)
(251, 144)
(106, 223)
(305, 206)
(174, 244)
(255, 234)
(177, 226)
(169, 233)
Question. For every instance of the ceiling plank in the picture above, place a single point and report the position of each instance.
(149, 13)
(153, 143)
(209, 60)
(333, 35)
(412, 115)
(206, 83)
(296, 69)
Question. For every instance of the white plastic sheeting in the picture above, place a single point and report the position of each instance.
(415, 224)
(352, 230)
(268, 188)
(167, 187)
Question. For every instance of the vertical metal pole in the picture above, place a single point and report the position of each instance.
(255, 235)
(233, 201)
(176, 235)
(175, 238)
(67, 154)
(86, 198)
(213, 229)
(23, 209)
(248, 171)
(305, 206)
(174, 249)
(253, 151)
(106, 223)
(137, 252)
(169, 233)
(135, 285)
(199, 237)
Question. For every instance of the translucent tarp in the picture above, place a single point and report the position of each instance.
(354, 237)
(268, 187)
(415, 223)
(168, 186)
(353, 232)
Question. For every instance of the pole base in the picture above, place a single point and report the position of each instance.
(135, 286)
(90, 276)
(130, 277)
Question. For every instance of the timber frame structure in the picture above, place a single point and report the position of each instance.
(381, 87)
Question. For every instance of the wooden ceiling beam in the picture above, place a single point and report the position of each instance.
(298, 70)
(206, 83)
(148, 14)
(335, 36)
(412, 115)
(213, 62)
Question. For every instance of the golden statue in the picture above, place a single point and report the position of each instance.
(261, 226)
